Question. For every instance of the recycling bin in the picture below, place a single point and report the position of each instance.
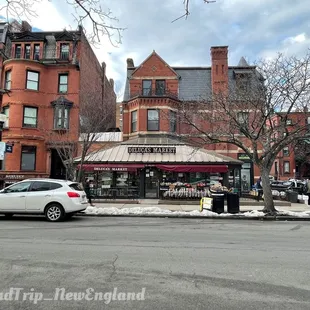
(233, 203)
(218, 202)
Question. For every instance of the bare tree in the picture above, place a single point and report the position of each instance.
(102, 21)
(253, 113)
(186, 4)
(77, 138)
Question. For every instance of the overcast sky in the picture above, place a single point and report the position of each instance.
(251, 28)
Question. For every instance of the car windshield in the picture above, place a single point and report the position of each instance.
(76, 186)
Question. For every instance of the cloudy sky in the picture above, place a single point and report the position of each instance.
(251, 28)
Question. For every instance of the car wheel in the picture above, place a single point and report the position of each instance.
(8, 215)
(54, 212)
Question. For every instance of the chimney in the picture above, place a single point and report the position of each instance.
(112, 83)
(26, 26)
(219, 68)
(130, 63)
(103, 66)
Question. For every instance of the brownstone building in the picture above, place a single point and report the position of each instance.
(47, 78)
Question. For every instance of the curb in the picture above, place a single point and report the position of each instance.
(233, 217)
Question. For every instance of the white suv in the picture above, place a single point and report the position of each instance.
(56, 199)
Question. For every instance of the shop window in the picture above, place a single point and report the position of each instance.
(30, 117)
(286, 167)
(64, 51)
(7, 81)
(147, 87)
(32, 80)
(152, 120)
(28, 158)
(61, 116)
(18, 51)
(133, 121)
(63, 83)
(6, 111)
(173, 121)
(36, 52)
(286, 151)
(27, 51)
(160, 87)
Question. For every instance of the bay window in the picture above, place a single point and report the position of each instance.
(152, 120)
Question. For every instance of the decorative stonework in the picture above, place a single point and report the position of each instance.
(154, 68)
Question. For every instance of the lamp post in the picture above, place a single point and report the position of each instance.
(3, 118)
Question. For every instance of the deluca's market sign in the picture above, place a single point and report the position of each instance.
(152, 149)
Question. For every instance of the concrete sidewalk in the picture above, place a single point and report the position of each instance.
(295, 207)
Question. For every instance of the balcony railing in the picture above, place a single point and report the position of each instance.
(153, 93)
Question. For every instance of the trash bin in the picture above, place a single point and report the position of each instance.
(217, 203)
(233, 203)
(292, 196)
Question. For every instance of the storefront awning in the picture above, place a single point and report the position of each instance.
(111, 167)
(194, 168)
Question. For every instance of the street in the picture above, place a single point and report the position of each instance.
(181, 263)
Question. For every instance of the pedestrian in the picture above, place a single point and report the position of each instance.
(87, 191)
(308, 191)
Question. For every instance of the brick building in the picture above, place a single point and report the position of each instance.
(152, 155)
(47, 78)
(294, 160)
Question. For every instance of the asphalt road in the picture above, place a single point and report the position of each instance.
(180, 263)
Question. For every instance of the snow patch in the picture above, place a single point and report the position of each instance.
(159, 211)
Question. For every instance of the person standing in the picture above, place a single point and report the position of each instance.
(308, 191)
(87, 191)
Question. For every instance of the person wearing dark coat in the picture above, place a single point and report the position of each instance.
(87, 191)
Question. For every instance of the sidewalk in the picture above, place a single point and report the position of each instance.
(295, 207)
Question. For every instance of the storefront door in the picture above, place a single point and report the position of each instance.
(151, 183)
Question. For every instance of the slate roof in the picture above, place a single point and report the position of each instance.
(195, 82)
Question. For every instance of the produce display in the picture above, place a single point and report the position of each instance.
(179, 190)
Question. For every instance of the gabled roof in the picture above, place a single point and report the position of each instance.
(243, 62)
(153, 54)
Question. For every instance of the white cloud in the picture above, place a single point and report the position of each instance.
(252, 29)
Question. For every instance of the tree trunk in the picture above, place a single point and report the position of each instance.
(268, 199)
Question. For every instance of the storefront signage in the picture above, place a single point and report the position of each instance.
(14, 176)
(243, 156)
(110, 169)
(152, 149)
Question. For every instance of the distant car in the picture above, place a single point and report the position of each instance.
(56, 199)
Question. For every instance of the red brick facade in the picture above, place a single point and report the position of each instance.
(82, 76)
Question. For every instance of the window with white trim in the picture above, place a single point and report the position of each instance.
(286, 167)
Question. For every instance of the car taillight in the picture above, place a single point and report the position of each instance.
(73, 195)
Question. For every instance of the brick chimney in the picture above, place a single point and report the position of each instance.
(219, 68)
(130, 63)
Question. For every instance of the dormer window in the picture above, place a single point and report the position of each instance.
(36, 52)
(64, 51)
(27, 51)
(18, 51)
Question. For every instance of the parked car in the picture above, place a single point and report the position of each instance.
(56, 199)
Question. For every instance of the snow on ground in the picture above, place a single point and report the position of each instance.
(158, 211)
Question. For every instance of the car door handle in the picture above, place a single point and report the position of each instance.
(22, 196)
(48, 195)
